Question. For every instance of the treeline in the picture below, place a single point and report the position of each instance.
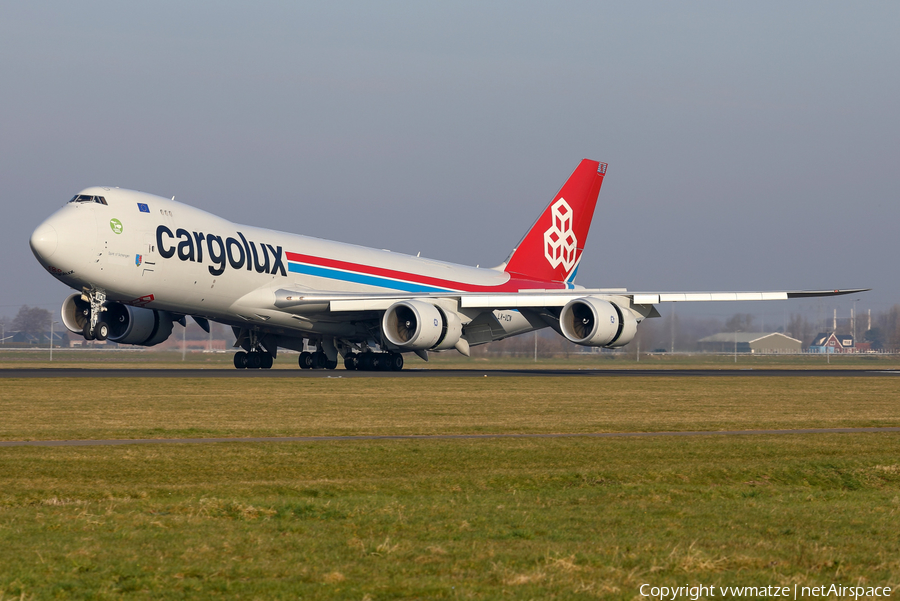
(682, 333)
(668, 333)
(33, 322)
(686, 331)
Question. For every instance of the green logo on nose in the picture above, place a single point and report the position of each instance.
(116, 226)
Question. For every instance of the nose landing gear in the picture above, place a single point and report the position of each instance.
(94, 327)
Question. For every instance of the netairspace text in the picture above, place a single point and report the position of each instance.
(701, 591)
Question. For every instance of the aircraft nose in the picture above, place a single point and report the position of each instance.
(44, 241)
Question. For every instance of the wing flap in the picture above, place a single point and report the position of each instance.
(362, 304)
(516, 301)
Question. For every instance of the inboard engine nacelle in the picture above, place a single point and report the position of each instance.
(591, 321)
(416, 325)
(127, 325)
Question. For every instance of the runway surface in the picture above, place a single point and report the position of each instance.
(84, 443)
(42, 372)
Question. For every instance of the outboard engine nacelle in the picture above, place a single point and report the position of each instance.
(415, 325)
(127, 325)
(592, 321)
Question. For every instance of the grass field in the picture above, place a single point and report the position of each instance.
(483, 519)
(137, 358)
(61, 408)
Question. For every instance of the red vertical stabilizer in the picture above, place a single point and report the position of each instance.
(551, 250)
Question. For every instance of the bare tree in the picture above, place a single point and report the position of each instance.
(5, 328)
(800, 328)
(739, 322)
(875, 337)
(889, 324)
(32, 321)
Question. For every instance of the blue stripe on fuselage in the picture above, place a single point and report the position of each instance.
(361, 278)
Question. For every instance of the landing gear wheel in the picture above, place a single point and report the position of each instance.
(395, 361)
(86, 331)
(377, 362)
(101, 330)
(364, 362)
(320, 360)
(267, 361)
(351, 361)
(240, 360)
(331, 364)
(254, 360)
(306, 360)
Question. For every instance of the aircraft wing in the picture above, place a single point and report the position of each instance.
(292, 301)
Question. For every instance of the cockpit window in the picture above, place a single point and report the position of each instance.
(88, 198)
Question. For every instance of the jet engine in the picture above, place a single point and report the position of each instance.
(75, 313)
(127, 325)
(592, 321)
(415, 325)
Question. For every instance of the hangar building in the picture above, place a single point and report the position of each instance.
(750, 342)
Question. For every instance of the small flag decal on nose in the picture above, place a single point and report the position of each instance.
(143, 208)
(138, 259)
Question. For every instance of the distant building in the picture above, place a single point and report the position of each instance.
(829, 342)
(750, 342)
(60, 337)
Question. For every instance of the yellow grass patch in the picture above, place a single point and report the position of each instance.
(152, 408)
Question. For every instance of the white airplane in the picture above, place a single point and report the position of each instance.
(141, 262)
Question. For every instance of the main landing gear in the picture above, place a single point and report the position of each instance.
(374, 361)
(253, 360)
(317, 360)
(255, 355)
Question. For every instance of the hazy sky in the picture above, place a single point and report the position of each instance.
(751, 146)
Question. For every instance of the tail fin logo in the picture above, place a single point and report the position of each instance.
(560, 243)
(551, 250)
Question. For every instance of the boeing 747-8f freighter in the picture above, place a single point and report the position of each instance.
(140, 263)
